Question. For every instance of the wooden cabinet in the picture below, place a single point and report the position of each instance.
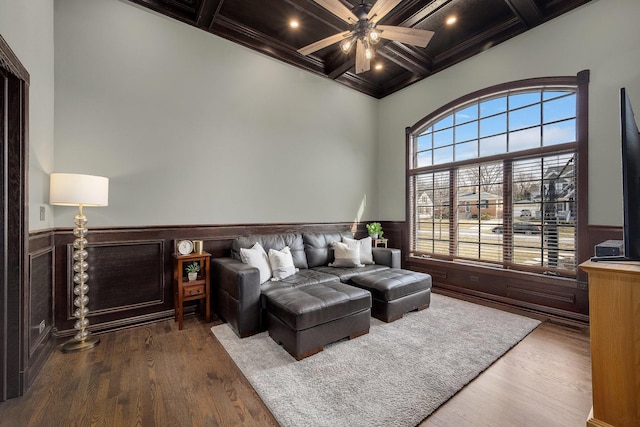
(614, 313)
(186, 290)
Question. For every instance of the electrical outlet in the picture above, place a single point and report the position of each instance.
(42, 213)
(41, 327)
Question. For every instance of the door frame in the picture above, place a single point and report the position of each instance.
(14, 217)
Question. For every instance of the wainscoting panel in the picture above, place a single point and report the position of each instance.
(131, 278)
(40, 298)
(122, 275)
(38, 309)
(130, 269)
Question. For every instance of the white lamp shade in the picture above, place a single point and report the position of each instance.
(71, 189)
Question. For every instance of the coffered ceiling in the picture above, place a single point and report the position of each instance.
(264, 25)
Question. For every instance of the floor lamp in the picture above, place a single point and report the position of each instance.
(68, 189)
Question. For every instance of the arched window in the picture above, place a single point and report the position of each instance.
(499, 170)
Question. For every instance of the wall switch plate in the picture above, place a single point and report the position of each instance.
(42, 213)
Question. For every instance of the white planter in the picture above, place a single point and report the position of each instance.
(192, 276)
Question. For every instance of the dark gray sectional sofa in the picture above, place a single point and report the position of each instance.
(319, 304)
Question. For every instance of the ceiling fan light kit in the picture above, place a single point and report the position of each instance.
(365, 32)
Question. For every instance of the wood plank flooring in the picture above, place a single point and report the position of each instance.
(156, 375)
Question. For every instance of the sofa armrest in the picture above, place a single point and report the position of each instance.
(238, 294)
(387, 256)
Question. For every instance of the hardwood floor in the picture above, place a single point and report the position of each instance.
(545, 380)
(156, 375)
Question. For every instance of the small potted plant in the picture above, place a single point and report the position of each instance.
(375, 230)
(192, 271)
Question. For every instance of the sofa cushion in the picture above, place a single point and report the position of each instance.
(281, 263)
(346, 254)
(345, 274)
(273, 241)
(318, 247)
(257, 257)
(301, 278)
(366, 255)
(308, 306)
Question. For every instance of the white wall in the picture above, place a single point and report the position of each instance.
(27, 26)
(602, 36)
(193, 129)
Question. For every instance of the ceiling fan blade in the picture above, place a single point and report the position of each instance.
(381, 8)
(362, 62)
(321, 44)
(413, 36)
(338, 9)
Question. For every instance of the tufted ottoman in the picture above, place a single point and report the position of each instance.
(304, 319)
(395, 292)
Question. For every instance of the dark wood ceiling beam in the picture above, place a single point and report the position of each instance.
(184, 5)
(527, 11)
(355, 81)
(226, 22)
(336, 70)
(164, 9)
(319, 13)
(207, 13)
(398, 53)
(480, 42)
(256, 40)
(417, 12)
(250, 38)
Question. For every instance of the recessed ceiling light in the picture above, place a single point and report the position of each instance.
(378, 66)
(294, 24)
(451, 20)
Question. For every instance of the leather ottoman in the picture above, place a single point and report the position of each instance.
(395, 292)
(304, 319)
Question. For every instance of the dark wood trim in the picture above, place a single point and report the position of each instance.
(583, 250)
(527, 11)
(14, 165)
(501, 87)
(10, 62)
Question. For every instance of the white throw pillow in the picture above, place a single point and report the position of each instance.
(366, 254)
(257, 257)
(281, 263)
(346, 255)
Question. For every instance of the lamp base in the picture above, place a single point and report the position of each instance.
(73, 346)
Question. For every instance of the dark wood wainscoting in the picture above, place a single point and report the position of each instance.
(130, 269)
(39, 304)
(548, 295)
(130, 275)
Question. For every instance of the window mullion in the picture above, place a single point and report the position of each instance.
(453, 212)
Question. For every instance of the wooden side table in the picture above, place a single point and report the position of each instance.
(186, 290)
(380, 243)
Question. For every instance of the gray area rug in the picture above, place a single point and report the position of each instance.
(396, 375)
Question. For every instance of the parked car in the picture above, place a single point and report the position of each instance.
(520, 227)
(525, 213)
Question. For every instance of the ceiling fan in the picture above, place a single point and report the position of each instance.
(365, 30)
